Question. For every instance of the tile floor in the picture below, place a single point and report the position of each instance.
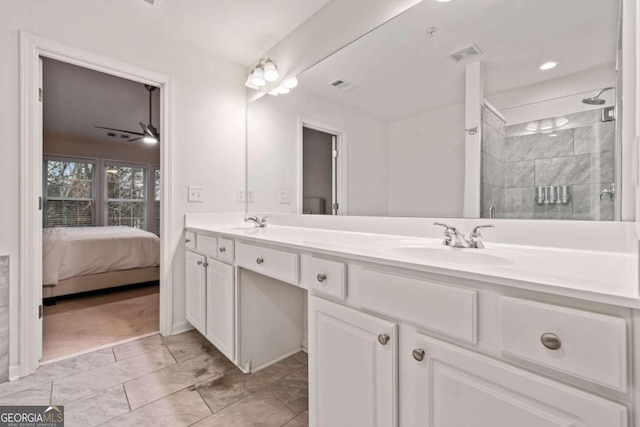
(174, 381)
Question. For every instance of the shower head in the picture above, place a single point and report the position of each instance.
(596, 100)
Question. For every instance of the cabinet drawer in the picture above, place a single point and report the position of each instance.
(587, 345)
(190, 240)
(324, 276)
(208, 245)
(270, 262)
(225, 249)
(450, 310)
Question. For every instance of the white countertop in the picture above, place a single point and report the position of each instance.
(605, 277)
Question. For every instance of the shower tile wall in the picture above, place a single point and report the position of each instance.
(493, 165)
(580, 155)
(4, 318)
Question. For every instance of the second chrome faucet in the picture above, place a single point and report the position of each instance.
(454, 238)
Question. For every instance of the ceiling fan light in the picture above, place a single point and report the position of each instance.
(257, 76)
(270, 71)
(291, 83)
(150, 140)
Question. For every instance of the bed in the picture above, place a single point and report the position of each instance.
(91, 258)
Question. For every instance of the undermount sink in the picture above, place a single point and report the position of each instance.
(450, 255)
(241, 227)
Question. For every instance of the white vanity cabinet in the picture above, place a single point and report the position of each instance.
(447, 386)
(353, 367)
(196, 288)
(221, 306)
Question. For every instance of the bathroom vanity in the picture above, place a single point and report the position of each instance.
(403, 331)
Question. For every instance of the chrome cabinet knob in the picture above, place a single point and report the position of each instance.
(551, 341)
(222, 249)
(321, 277)
(383, 339)
(187, 240)
(259, 260)
(199, 263)
(418, 354)
(206, 264)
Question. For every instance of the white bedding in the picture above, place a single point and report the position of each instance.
(71, 252)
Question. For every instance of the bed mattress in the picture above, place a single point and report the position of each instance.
(71, 252)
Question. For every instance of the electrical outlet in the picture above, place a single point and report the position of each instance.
(250, 198)
(196, 194)
(241, 195)
(285, 197)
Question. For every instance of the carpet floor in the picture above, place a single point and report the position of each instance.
(81, 323)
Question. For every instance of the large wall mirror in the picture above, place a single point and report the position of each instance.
(382, 128)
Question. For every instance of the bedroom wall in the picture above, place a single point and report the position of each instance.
(65, 145)
(209, 102)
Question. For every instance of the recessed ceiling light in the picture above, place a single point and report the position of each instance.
(548, 65)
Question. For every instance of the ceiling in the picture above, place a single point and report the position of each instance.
(77, 99)
(238, 31)
(400, 71)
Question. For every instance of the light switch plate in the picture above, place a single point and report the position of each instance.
(285, 197)
(250, 198)
(196, 194)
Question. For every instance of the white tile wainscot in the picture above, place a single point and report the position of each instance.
(545, 336)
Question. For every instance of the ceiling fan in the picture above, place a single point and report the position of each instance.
(149, 133)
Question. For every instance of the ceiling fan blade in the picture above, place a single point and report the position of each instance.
(135, 139)
(150, 131)
(120, 130)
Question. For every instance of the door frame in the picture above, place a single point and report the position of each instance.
(29, 330)
(341, 143)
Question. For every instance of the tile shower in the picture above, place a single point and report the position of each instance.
(522, 170)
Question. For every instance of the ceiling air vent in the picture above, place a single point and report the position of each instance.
(342, 85)
(466, 52)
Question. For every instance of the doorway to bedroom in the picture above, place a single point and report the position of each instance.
(100, 209)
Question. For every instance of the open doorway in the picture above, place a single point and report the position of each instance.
(101, 181)
(322, 173)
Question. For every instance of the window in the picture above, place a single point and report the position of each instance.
(69, 196)
(125, 195)
(156, 200)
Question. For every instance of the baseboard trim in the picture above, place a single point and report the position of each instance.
(181, 327)
(14, 372)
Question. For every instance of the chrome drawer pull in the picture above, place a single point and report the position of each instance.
(260, 261)
(199, 262)
(321, 277)
(418, 354)
(383, 339)
(222, 249)
(551, 341)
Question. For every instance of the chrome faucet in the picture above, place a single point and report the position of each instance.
(259, 222)
(475, 239)
(455, 239)
(609, 192)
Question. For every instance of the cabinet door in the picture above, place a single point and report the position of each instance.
(196, 278)
(453, 387)
(220, 306)
(352, 367)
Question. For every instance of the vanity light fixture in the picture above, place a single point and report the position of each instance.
(283, 90)
(270, 71)
(291, 83)
(265, 71)
(257, 76)
(548, 65)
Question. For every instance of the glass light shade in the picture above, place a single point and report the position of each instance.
(283, 90)
(257, 77)
(291, 83)
(150, 140)
(270, 71)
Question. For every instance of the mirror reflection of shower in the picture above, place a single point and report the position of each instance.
(550, 159)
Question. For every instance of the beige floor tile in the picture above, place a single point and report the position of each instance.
(91, 382)
(234, 385)
(134, 348)
(261, 409)
(301, 420)
(96, 409)
(301, 357)
(177, 410)
(158, 384)
(38, 395)
(293, 391)
(192, 346)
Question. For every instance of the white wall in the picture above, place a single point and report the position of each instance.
(208, 112)
(273, 151)
(426, 164)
